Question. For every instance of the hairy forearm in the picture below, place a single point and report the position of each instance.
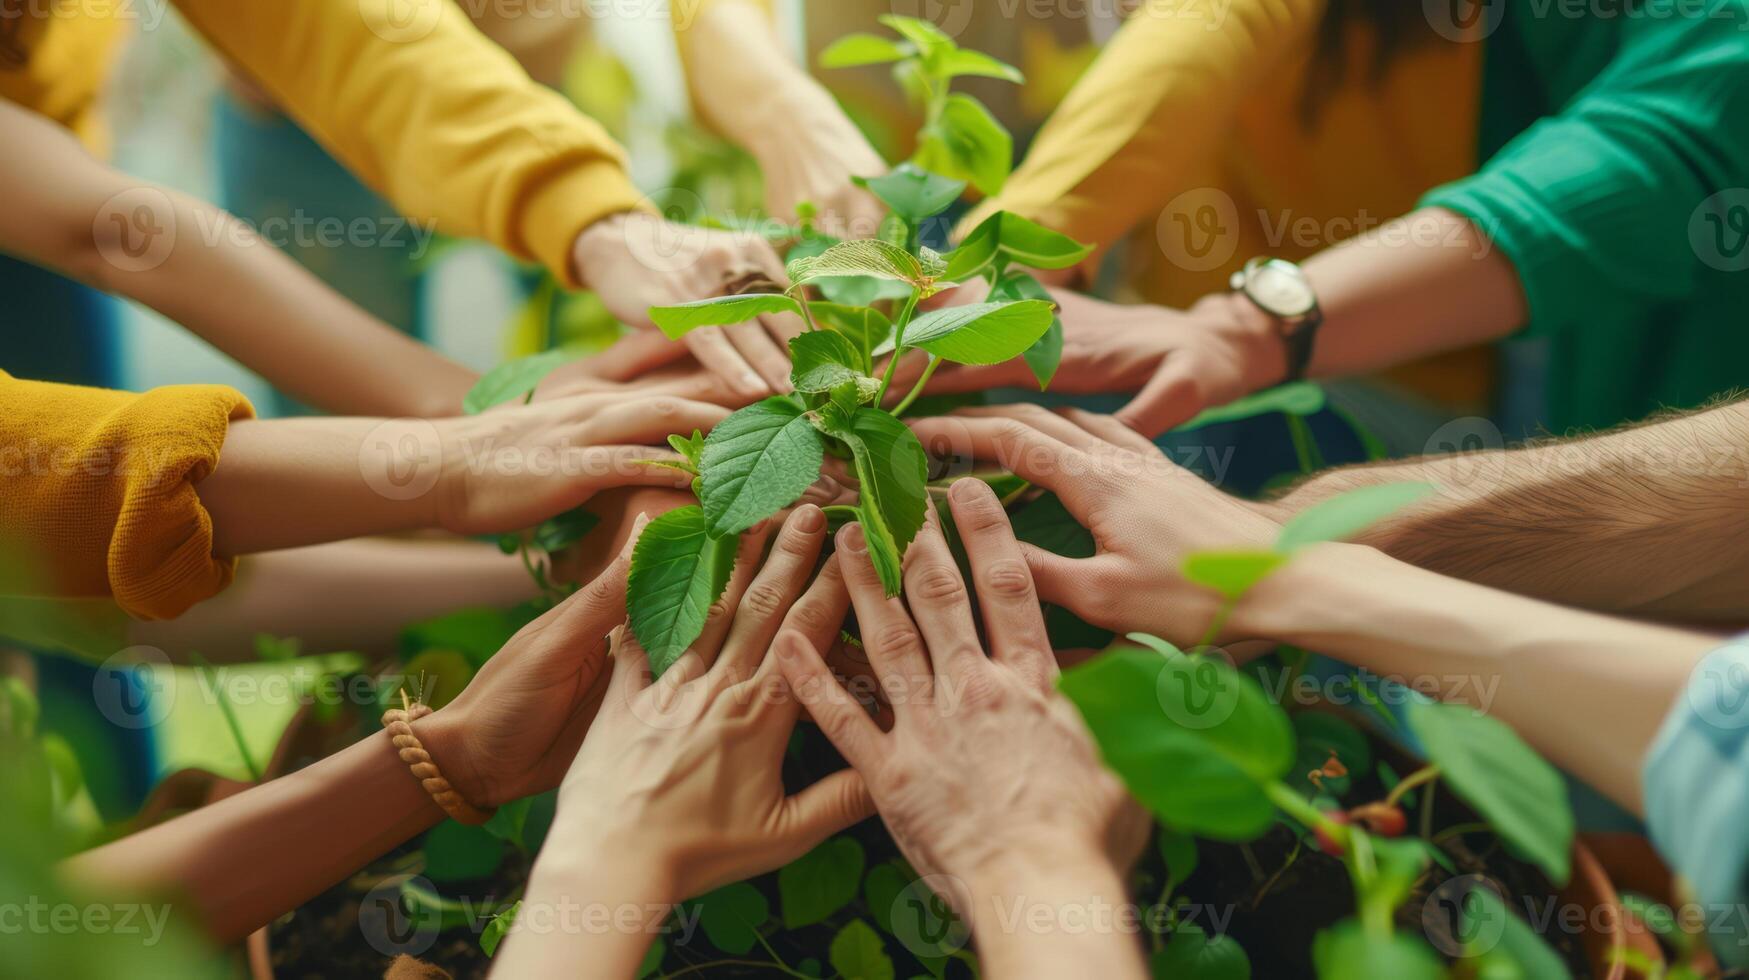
(257, 855)
(1638, 520)
(1548, 671)
(367, 591)
(1425, 283)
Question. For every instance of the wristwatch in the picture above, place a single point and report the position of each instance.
(1279, 288)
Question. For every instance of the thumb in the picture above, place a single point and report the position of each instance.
(823, 809)
(1059, 581)
(1168, 400)
(636, 354)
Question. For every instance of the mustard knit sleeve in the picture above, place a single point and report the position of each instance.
(424, 108)
(99, 493)
(1150, 113)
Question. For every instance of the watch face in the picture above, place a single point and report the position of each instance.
(1280, 288)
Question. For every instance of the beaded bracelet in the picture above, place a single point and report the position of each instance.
(399, 722)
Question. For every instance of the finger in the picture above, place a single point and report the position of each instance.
(783, 328)
(632, 466)
(895, 648)
(819, 614)
(1012, 617)
(761, 350)
(726, 609)
(771, 592)
(1017, 447)
(1168, 400)
(648, 420)
(846, 725)
(1040, 418)
(719, 356)
(1077, 584)
(1108, 428)
(941, 605)
(823, 809)
(634, 355)
(597, 608)
(631, 665)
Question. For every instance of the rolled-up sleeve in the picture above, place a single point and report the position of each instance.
(99, 497)
(1696, 783)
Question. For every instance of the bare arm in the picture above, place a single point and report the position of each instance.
(1644, 519)
(209, 271)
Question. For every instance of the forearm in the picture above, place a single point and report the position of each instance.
(1641, 519)
(367, 591)
(286, 483)
(1548, 671)
(589, 907)
(1054, 915)
(257, 855)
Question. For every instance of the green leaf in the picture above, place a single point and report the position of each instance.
(858, 954)
(1503, 946)
(1195, 740)
(457, 852)
(967, 142)
(893, 470)
(821, 360)
(865, 328)
(882, 888)
(1025, 242)
(1231, 573)
(855, 50)
(912, 192)
(850, 291)
(966, 62)
(1345, 952)
(1192, 955)
(678, 570)
(689, 447)
(731, 917)
(820, 882)
(757, 462)
(864, 257)
(1489, 767)
(1300, 398)
(652, 959)
(1179, 852)
(677, 321)
(498, 928)
(513, 379)
(565, 530)
(929, 39)
(1345, 515)
(1397, 864)
(981, 333)
(1047, 351)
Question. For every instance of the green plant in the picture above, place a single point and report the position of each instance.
(1211, 755)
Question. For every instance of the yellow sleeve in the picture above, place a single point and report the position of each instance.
(422, 107)
(1152, 110)
(99, 493)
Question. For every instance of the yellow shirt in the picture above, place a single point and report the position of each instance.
(100, 498)
(411, 97)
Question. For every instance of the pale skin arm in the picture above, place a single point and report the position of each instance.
(214, 276)
(1550, 672)
(1642, 519)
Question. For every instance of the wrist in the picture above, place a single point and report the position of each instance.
(1323, 596)
(598, 243)
(1253, 335)
(444, 733)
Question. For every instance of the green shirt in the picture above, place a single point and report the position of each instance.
(1617, 182)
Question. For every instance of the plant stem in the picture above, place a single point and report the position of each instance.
(1305, 444)
(807, 314)
(1427, 812)
(1214, 631)
(898, 343)
(1301, 809)
(1425, 774)
(917, 389)
(210, 676)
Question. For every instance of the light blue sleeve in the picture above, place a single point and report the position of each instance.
(1696, 784)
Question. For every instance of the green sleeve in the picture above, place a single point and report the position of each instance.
(1602, 206)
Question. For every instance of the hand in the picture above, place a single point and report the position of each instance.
(986, 764)
(636, 261)
(812, 162)
(624, 369)
(682, 778)
(1180, 362)
(1145, 514)
(510, 469)
(517, 725)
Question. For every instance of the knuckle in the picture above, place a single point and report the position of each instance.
(898, 638)
(663, 407)
(1007, 578)
(718, 609)
(763, 599)
(980, 514)
(936, 582)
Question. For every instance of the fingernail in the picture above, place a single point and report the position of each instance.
(851, 539)
(808, 518)
(964, 491)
